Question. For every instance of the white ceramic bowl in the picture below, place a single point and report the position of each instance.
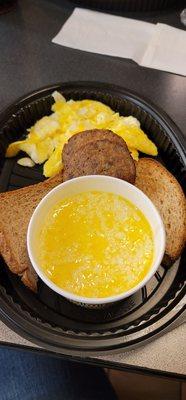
(106, 184)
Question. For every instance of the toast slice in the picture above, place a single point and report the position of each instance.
(16, 208)
(167, 195)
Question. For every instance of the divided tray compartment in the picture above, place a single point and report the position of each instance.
(48, 319)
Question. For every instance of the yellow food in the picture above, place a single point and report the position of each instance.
(95, 244)
(45, 140)
(26, 162)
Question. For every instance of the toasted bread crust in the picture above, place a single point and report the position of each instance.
(6, 252)
(167, 195)
(16, 208)
(29, 278)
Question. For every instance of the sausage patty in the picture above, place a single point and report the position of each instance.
(100, 157)
(80, 139)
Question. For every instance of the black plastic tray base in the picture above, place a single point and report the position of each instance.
(52, 321)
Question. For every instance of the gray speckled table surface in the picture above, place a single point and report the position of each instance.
(28, 60)
(167, 354)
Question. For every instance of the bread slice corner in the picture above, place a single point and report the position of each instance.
(16, 208)
(167, 195)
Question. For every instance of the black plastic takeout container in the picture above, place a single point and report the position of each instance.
(126, 5)
(48, 319)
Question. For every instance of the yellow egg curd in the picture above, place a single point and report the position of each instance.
(95, 244)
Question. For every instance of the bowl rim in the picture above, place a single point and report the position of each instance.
(101, 300)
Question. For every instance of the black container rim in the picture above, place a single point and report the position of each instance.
(175, 308)
(130, 6)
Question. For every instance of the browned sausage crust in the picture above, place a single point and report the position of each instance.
(82, 138)
(95, 154)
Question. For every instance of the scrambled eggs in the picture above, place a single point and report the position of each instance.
(45, 140)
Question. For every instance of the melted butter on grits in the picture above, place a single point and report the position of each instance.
(95, 244)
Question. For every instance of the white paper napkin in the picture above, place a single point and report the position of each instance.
(156, 46)
(166, 50)
(105, 34)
